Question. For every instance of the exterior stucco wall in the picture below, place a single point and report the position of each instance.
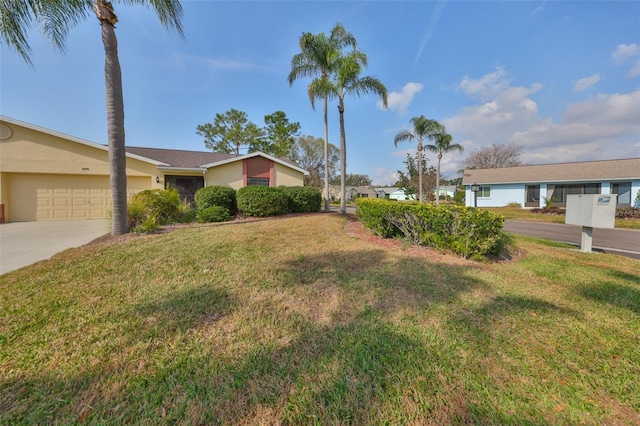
(30, 151)
(229, 174)
(286, 176)
(500, 195)
(503, 194)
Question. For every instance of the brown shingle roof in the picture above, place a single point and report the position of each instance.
(178, 157)
(562, 172)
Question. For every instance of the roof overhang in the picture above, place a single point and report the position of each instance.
(256, 154)
(74, 139)
(164, 168)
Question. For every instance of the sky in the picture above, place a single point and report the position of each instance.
(560, 78)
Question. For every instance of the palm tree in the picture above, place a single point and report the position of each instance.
(56, 18)
(442, 144)
(346, 80)
(423, 129)
(317, 59)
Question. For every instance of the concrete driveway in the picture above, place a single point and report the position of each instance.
(24, 243)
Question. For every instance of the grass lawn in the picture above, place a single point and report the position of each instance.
(293, 321)
(518, 213)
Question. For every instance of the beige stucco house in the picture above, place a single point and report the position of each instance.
(47, 175)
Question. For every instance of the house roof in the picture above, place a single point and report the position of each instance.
(178, 157)
(628, 168)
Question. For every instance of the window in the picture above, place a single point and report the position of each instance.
(363, 195)
(257, 182)
(623, 189)
(484, 192)
(533, 195)
(558, 193)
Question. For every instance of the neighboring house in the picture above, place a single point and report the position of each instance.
(46, 175)
(447, 191)
(393, 193)
(365, 192)
(533, 186)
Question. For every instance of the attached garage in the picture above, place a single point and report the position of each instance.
(62, 197)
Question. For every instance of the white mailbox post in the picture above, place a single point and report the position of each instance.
(590, 211)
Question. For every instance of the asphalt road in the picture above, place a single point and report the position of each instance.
(624, 242)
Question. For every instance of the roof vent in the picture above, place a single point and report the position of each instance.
(5, 132)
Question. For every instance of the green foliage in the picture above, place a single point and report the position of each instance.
(636, 202)
(279, 135)
(262, 201)
(459, 198)
(159, 206)
(213, 214)
(353, 179)
(469, 232)
(185, 214)
(216, 195)
(230, 132)
(303, 199)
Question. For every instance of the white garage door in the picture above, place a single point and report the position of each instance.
(60, 197)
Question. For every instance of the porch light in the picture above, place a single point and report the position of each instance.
(157, 179)
(475, 187)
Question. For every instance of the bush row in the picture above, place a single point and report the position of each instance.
(466, 231)
(264, 201)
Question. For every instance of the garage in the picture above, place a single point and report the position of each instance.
(37, 197)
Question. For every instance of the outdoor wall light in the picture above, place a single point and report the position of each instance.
(157, 179)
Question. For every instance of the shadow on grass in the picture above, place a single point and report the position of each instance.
(622, 296)
(184, 310)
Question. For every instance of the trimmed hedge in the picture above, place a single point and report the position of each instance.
(467, 231)
(303, 199)
(213, 214)
(216, 195)
(262, 201)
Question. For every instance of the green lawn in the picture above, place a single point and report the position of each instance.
(292, 321)
(525, 214)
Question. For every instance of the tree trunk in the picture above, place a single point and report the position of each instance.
(420, 172)
(326, 156)
(438, 181)
(115, 118)
(343, 160)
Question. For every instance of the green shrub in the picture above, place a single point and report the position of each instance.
(213, 214)
(459, 197)
(163, 204)
(467, 231)
(136, 212)
(216, 195)
(303, 199)
(262, 201)
(185, 214)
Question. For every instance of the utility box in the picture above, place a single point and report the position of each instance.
(592, 210)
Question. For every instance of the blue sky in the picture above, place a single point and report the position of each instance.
(560, 78)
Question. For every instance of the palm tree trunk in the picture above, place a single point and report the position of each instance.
(343, 161)
(326, 155)
(438, 181)
(115, 118)
(420, 173)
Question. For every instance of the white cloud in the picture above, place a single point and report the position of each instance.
(400, 100)
(625, 54)
(585, 83)
(384, 177)
(600, 127)
(538, 9)
(435, 17)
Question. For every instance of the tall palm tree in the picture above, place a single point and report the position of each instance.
(423, 129)
(346, 80)
(56, 18)
(317, 58)
(442, 144)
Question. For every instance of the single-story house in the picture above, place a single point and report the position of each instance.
(394, 193)
(534, 186)
(47, 175)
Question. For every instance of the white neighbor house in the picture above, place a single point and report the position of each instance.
(530, 186)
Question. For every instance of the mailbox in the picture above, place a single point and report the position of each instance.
(592, 210)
